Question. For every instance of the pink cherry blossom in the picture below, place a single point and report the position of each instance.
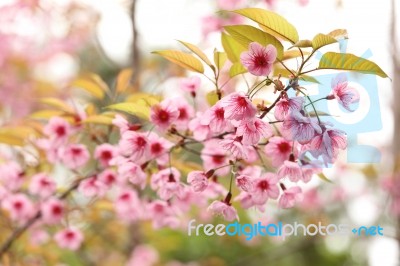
(265, 187)
(167, 183)
(91, 187)
(278, 150)
(135, 145)
(245, 183)
(52, 211)
(104, 153)
(226, 210)
(74, 155)
(291, 170)
(185, 112)
(132, 172)
(215, 119)
(191, 84)
(258, 60)
(238, 107)
(124, 125)
(42, 185)
(229, 4)
(19, 206)
(213, 157)
(162, 214)
(108, 177)
(234, 145)
(343, 93)
(247, 201)
(143, 255)
(286, 105)
(252, 130)
(328, 144)
(58, 129)
(198, 180)
(289, 197)
(163, 115)
(128, 206)
(11, 175)
(200, 131)
(300, 128)
(158, 148)
(69, 238)
(211, 24)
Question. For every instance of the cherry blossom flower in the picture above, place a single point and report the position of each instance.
(128, 206)
(291, 170)
(245, 183)
(58, 129)
(162, 214)
(258, 60)
(247, 201)
(135, 145)
(300, 128)
(198, 180)
(69, 238)
(328, 143)
(104, 153)
(124, 125)
(213, 157)
(74, 155)
(132, 172)
(42, 185)
(143, 255)
(163, 115)
(229, 4)
(91, 187)
(215, 119)
(252, 130)
(289, 197)
(234, 145)
(286, 105)
(238, 107)
(158, 148)
(19, 206)
(278, 150)
(265, 187)
(52, 211)
(343, 93)
(185, 112)
(200, 131)
(108, 177)
(191, 84)
(11, 175)
(167, 183)
(222, 208)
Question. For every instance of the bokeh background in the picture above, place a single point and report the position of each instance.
(44, 44)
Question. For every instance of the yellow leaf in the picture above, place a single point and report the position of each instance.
(136, 109)
(57, 103)
(323, 177)
(98, 119)
(271, 22)
(212, 98)
(339, 34)
(11, 140)
(320, 40)
(350, 62)
(144, 97)
(245, 34)
(302, 44)
(293, 54)
(197, 52)
(123, 79)
(93, 84)
(182, 59)
(236, 69)
(46, 114)
(220, 59)
(232, 48)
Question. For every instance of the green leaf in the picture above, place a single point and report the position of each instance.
(197, 52)
(220, 59)
(320, 40)
(271, 22)
(93, 84)
(350, 62)
(309, 79)
(302, 44)
(232, 48)
(136, 109)
(182, 59)
(245, 34)
(237, 69)
(58, 104)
